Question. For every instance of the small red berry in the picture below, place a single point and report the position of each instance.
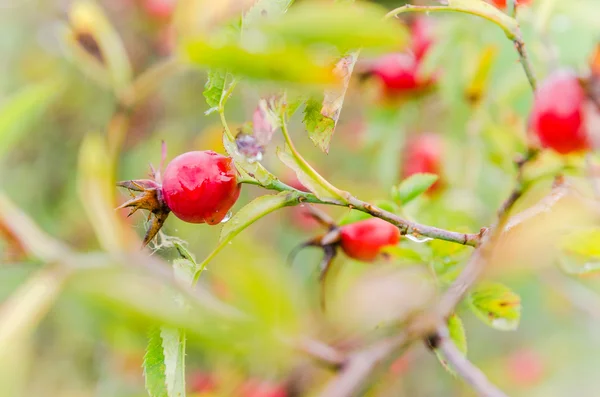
(557, 116)
(525, 367)
(364, 240)
(421, 37)
(200, 187)
(398, 72)
(159, 9)
(201, 382)
(255, 388)
(502, 3)
(423, 154)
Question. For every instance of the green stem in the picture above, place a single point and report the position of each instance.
(506, 23)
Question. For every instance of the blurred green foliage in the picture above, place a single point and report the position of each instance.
(79, 304)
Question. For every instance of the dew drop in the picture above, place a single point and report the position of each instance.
(418, 240)
(227, 217)
(256, 158)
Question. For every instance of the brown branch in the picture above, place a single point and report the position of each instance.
(464, 368)
(361, 364)
(322, 352)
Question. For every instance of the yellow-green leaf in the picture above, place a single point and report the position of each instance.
(496, 305)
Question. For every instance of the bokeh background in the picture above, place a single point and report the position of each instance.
(87, 336)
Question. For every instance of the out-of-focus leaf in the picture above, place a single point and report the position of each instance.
(173, 344)
(96, 46)
(320, 128)
(479, 83)
(581, 252)
(214, 87)
(96, 190)
(308, 177)
(28, 234)
(23, 109)
(496, 305)
(412, 187)
(403, 253)
(343, 25)
(251, 167)
(25, 308)
(154, 365)
(249, 214)
(291, 64)
(456, 331)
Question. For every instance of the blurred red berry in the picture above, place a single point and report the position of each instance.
(525, 367)
(256, 388)
(364, 240)
(201, 382)
(398, 72)
(200, 186)
(159, 9)
(502, 3)
(301, 217)
(557, 116)
(423, 154)
(421, 37)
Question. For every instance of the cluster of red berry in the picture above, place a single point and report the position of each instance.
(202, 186)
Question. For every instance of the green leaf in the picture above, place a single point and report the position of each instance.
(249, 214)
(19, 112)
(496, 305)
(253, 211)
(290, 64)
(343, 25)
(173, 344)
(213, 89)
(412, 187)
(456, 331)
(581, 252)
(154, 365)
(320, 128)
(309, 177)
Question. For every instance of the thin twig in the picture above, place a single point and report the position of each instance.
(465, 369)
(321, 352)
(361, 364)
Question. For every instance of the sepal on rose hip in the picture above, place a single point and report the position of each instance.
(150, 199)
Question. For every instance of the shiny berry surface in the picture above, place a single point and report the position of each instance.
(557, 114)
(200, 187)
(364, 240)
(423, 154)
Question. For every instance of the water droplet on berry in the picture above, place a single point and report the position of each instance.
(256, 158)
(418, 240)
(227, 217)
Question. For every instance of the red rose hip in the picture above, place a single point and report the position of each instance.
(423, 154)
(200, 187)
(502, 3)
(557, 116)
(364, 240)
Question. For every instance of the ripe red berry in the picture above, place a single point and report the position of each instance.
(423, 154)
(364, 240)
(200, 187)
(557, 116)
(201, 382)
(502, 3)
(399, 73)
